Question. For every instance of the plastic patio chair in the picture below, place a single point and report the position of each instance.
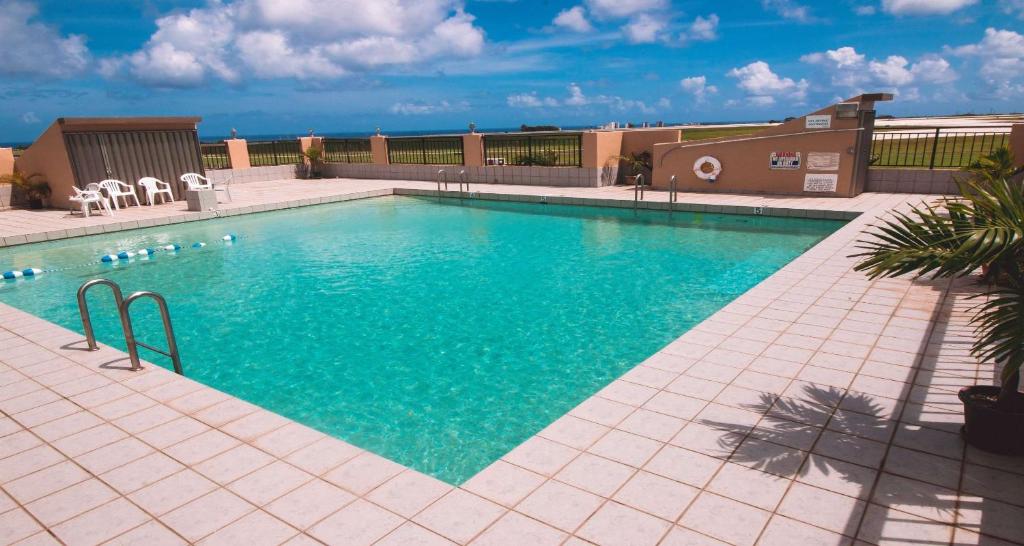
(117, 190)
(88, 198)
(156, 188)
(196, 181)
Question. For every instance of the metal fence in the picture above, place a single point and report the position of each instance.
(215, 156)
(549, 150)
(426, 150)
(347, 150)
(275, 152)
(935, 148)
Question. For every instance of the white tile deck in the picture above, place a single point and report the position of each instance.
(817, 408)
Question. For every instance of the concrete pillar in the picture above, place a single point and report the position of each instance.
(473, 150)
(308, 142)
(1017, 142)
(238, 153)
(379, 149)
(6, 161)
(600, 148)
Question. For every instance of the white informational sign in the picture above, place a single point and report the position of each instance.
(784, 160)
(822, 161)
(819, 122)
(821, 182)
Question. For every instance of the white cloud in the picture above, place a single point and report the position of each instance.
(644, 29)
(763, 86)
(924, 7)
(864, 10)
(892, 71)
(36, 49)
(788, 9)
(620, 9)
(419, 108)
(703, 29)
(573, 19)
(698, 87)
(529, 100)
(1000, 55)
(231, 39)
(576, 97)
(29, 118)
(934, 69)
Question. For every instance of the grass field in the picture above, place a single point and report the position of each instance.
(716, 132)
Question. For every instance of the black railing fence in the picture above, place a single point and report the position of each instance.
(275, 152)
(550, 150)
(215, 156)
(347, 150)
(935, 147)
(440, 150)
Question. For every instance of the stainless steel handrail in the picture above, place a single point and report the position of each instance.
(638, 188)
(123, 305)
(129, 333)
(673, 195)
(83, 307)
(463, 179)
(442, 175)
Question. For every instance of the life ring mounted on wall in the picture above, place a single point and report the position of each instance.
(707, 168)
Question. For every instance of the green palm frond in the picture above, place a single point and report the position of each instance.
(983, 228)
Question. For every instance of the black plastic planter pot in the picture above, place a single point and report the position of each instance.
(987, 427)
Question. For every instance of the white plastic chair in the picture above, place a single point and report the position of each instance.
(156, 188)
(87, 198)
(196, 181)
(117, 190)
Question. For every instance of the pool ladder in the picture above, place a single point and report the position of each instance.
(442, 177)
(638, 191)
(123, 307)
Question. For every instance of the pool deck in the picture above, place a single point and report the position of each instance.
(817, 408)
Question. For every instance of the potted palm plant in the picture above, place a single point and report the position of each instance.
(313, 161)
(981, 229)
(31, 187)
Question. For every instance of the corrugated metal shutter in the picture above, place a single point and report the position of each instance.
(130, 155)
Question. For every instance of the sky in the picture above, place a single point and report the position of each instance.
(288, 66)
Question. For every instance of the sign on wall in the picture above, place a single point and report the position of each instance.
(784, 160)
(822, 161)
(821, 182)
(819, 122)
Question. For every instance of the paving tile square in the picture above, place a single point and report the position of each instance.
(27, 462)
(825, 509)
(615, 524)
(627, 393)
(172, 432)
(718, 441)
(602, 411)
(233, 464)
(113, 455)
(201, 447)
(541, 456)
(357, 524)
(749, 485)
(625, 448)
(782, 531)
(309, 503)
(888, 527)
(503, 483)
(408, 493)
(101, 524)
(67, 503)
(66, 426)
(150, 533)
(560, 505)
(681, 536)
(514, 528)
(141, 472)
(206, 514)
(89, 440)
(269, 482)
(412, 534)
(323, 455)
(459, 515)
(16, 525)
(695, 387)
(595, 474)
(914, 497)
(146, 419)
(256, 528)
(363, 473)
(287, 439)
(725, 519)
(574, 432)
(172, 492)
(656, 495)
(924, 467)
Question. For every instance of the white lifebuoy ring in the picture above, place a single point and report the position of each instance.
(700, 168)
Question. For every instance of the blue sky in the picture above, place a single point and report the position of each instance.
(285, 66)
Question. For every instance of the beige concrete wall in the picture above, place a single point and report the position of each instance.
(6, 161)
(48, 157)
(238, 153)
(600, 148)
(1017, 142)
(643, 140)
(473, 150)
(745, 163)
(379, 149)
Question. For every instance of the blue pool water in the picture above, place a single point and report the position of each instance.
(436, 334)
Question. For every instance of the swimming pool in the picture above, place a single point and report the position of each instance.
(434, 333)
